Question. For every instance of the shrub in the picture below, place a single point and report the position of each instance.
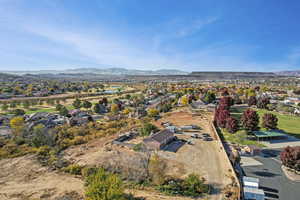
(18, 112)
(194, 186)
(77, 103)
(73, 169)
(152, 112)
(191, 186)
(19, 140)
(18, 126)
(78, 140)
(43, 152)
(147, 128)
(270, 121)
(114, 108)
(87, 104)
(156, 169)
(58, 107)
(63, 111)
(41, 137)
(102, 185)
(138, 147)
(209, 97)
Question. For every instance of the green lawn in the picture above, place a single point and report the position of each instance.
(240, 137)
(288, 123)
(31, 111)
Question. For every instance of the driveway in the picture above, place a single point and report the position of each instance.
(272, 179)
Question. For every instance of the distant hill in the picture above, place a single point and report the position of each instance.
(233, 75)
(8, 77)
(289, 73)
(103, 71)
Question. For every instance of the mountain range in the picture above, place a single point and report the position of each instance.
(102, 71)
(121, 71)
(289, 73)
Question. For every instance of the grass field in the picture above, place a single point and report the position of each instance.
(288, 123)
(240, 137)
(31, 111)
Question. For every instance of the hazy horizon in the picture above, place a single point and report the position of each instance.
(205, 35)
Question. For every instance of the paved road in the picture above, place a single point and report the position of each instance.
(272, 179)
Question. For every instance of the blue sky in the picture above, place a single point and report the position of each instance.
(203, 35)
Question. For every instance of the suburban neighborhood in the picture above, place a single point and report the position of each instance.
(149, 100)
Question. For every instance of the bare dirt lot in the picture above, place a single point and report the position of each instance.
(204, 157)
(24, 178)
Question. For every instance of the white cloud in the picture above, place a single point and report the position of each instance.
(189, 28)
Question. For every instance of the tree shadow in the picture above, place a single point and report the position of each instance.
(265, 174)
(215, 188)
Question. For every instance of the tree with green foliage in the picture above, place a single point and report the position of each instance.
(147, 128)
(26, 104)
(40, 136)
(59, 107)
(18, 112)
(194, 186)
(97, 108)
(209, 97)
(13, 104)
(64, 111)
(87, 104)
(4, 107)
(77, 103)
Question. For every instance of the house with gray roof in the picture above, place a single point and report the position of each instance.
(159, 140)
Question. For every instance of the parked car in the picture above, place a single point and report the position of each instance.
(190, 142)
(196, 136)
(207, 139)
(206, 135)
